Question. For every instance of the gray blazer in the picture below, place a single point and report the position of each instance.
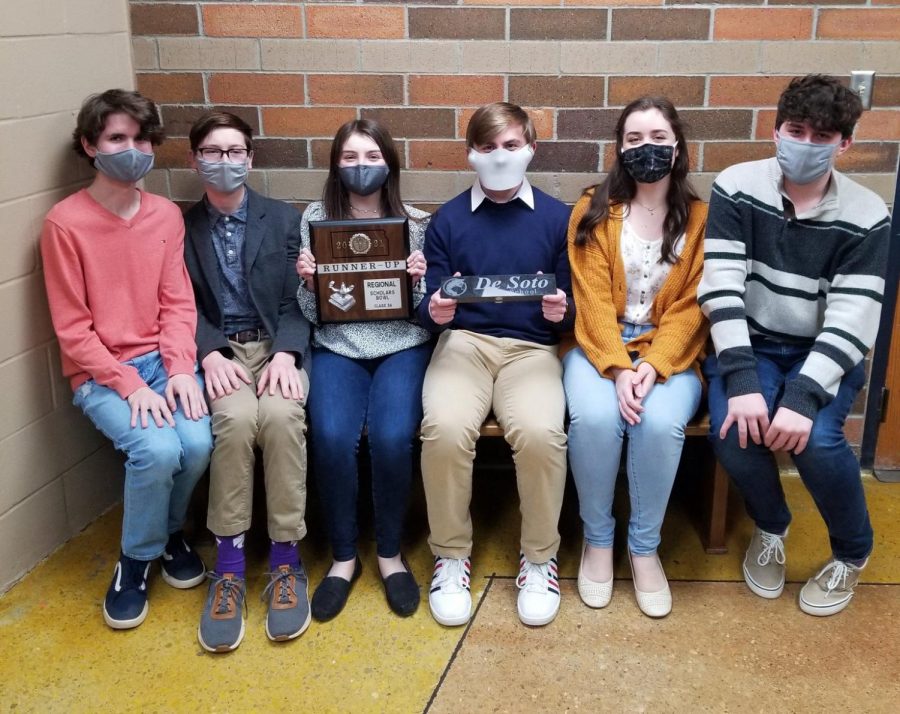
(271, 245)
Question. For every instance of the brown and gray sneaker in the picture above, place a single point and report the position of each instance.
(222, 621)
(764, 564)
(830, 591)
(287, 598)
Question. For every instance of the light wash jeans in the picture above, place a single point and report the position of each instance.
(596, 433)
(164, 463)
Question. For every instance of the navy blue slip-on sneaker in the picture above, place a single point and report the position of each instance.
(125, 605)
(181, 567)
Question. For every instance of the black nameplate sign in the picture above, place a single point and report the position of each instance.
(498, 288)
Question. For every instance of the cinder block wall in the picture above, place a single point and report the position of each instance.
(56, 472)
(296, 70)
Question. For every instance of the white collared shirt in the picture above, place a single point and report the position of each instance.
(524, 192)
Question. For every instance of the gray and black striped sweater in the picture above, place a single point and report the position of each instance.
(816, 279)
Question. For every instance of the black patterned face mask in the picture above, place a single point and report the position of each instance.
(648, 163)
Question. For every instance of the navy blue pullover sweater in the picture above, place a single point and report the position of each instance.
(499, 239)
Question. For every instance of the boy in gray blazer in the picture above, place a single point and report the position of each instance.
(253, 346)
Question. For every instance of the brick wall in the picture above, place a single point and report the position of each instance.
(57, 473)
(295, 71)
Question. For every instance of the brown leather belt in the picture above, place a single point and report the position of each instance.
(243, 336)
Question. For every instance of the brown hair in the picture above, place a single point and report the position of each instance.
(96, 108)
(620, 188)
(218, 120)
(491, 119)
(821, 100)
(336, 197)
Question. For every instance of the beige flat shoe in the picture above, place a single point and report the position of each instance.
(655, 604)
(592, 593)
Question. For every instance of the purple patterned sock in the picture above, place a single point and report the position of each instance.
(230, 555)
(283, 553)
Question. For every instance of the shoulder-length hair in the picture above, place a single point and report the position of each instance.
(618, 189)
(336, 197)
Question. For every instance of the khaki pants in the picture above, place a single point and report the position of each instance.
(469, 375)
(241, 421)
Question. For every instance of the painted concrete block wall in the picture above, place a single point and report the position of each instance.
(56, 472)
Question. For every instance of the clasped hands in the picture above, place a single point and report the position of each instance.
(632, 387)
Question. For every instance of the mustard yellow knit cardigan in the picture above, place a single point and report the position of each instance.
(598, 284)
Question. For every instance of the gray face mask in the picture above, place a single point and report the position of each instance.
(127, 166)
(223, 176)
(802, 162)
(363, 180)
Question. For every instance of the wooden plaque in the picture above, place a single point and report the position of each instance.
(361, 269)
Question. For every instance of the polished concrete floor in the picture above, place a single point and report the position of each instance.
(721, 650)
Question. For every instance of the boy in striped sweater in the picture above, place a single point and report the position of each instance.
(795, 254)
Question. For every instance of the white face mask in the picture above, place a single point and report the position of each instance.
(501, 169)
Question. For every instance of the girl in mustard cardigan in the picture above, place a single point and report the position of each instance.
(636, 251)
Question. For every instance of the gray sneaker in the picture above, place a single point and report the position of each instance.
(287, 596)
(830, 591)
(764, 564)
(222, 622)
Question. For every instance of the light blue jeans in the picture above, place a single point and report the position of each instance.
(596, 433)
(164, 463)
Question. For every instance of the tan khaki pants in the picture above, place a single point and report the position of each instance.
(469, 375)
(240, 421)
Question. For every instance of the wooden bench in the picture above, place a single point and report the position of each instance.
(712, 483)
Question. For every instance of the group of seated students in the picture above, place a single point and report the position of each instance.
(784, 270)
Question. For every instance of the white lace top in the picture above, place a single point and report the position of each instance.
(644, 273)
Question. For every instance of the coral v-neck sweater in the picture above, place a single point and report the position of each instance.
(118, 289)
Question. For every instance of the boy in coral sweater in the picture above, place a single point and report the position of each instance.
(123, 311)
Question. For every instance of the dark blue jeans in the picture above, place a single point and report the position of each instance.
(828, 467)
(384, 394)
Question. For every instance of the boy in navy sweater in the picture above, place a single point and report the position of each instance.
(496, 356)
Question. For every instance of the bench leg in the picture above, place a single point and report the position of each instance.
(716, 510)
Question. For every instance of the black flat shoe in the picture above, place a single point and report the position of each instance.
(402, 591)
(331, 595)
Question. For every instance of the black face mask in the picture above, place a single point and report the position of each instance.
(648, 163)
(363, 180)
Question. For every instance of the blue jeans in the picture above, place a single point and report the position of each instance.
(596, 433)
(163, 463)
(346, 394)
(827, 465)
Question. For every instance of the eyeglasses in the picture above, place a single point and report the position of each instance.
(213, 153)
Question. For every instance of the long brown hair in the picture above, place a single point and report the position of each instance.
(618, 189)
(336, 197)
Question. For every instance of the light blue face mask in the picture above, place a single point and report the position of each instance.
(128, 166)
(223, 176)
(802, 162)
